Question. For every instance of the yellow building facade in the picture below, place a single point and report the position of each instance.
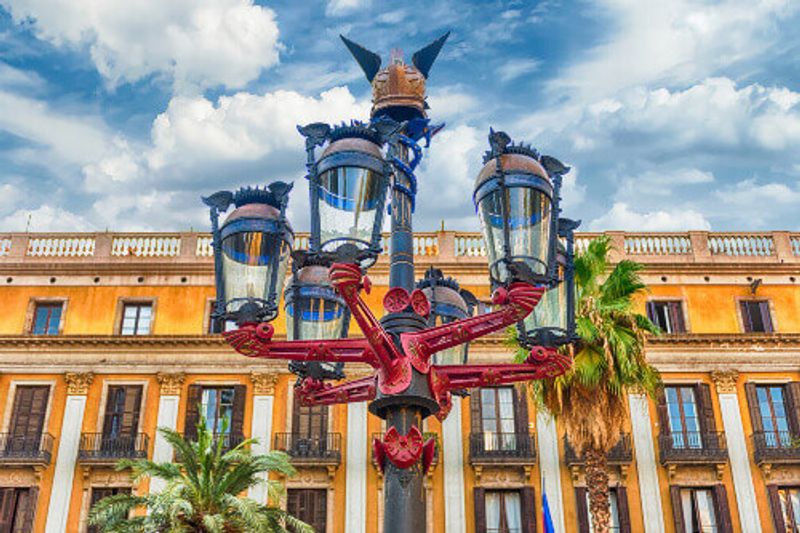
(105, 337)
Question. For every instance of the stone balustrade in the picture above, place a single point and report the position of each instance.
(461, 247)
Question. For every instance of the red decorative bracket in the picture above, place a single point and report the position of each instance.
(317, 392)
(518, 301)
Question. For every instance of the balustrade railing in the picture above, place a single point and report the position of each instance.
(693, 447)
(501, 447)
(325, 448)
(26, 449)
(621, 453)
(776, 447)
(101, 447)
(466, 247)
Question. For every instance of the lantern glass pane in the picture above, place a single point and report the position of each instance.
(319, 318)
(551, 312)
(529, 228)
(249, 261)
(451, 356)
(348, 206)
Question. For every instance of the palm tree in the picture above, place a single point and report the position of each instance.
(203, 491)
(609, 361)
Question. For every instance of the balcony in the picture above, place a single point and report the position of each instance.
(26, 450)
(501, 449)
(621, 454)
(311, 450)
(229, 440)
(693, 448)
(776, 447)
(106, 450)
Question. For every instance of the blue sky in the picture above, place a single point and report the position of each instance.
(674, 114)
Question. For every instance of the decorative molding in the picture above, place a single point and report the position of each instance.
(171, 384)
(725, 381)
(263, 383)
(78, 382)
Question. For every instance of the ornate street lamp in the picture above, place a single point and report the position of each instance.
(449, 303)
(251, 251)
(418, 350)
(347, 188)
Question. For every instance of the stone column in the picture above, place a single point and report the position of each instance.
(453, 463)
(646, 466)
(168, 402)
(550, 468)
(263, 402)
(725, 383)
(355, 518)
(58, 509)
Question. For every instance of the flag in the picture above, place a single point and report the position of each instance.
(547, 519)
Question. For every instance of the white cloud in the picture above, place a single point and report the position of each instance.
(337, 8)
(747, 193)
(198, 43)
(15, 78)
(679, 41)
(9, 197)
(622, 217)
(515, 68)
(45, 218)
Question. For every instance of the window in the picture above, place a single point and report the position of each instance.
(684, 422)
(27, 418)
(667, 315)
(136, 319)
(121, 422)
(613, 524)
(100, 493)
(217, 406)
(309, 505)
(789, 498)
(774, 420)
(503, 511)
(16, 510)
(699, 514)
(215, 324)
(619, 521)
(755, 316)
(497, 419)
(46, 318)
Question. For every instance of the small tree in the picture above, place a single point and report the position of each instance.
(203, 491)
(590, 399)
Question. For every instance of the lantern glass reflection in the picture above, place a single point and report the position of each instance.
(251, 261)
(448, 304)
(350, 198)
(452, 356)
(528, 221)
(313, 309)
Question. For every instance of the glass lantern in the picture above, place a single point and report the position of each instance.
(348, 192)
(251, 252)
(514, 197)
(448, 303)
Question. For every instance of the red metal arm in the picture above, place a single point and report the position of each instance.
(255, 341)
(542, 363)
(316, 392)
(518, 301)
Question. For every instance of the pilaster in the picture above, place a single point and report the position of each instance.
(263, 404)
(58, 508)
(550, 469)
(646, 467)
(355, 518)
(168, 403)
(725, 384)
(453, 459)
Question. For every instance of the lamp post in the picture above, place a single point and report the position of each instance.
(361, 164)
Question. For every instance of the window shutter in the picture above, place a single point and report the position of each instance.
(752, 403)
(623, 510)
(475, 410)
(723, 511)
(651, 314)
(237, 417)
(747, 324)
(480, 509)
(582, 509)
(30, 515)
(133, 406)
(663, 414)
(763, 308)
(521, 409)
(706, 411)
(528, 509)
(7, 500)
(27, 418)
(793, 406)
(676, 310)
(775, 507)
(677, 509)
(193, 400)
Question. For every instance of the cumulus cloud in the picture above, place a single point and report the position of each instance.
(337, 8)
(45, 218)
(197, 43)
(622, 217)
(515, 68)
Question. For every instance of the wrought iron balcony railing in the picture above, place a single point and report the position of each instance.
(101, 448)
(693, 447)
(776, 447)
(229, 440)
(513, 448)
(620, 454)
(312, 449)
(24, 450)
